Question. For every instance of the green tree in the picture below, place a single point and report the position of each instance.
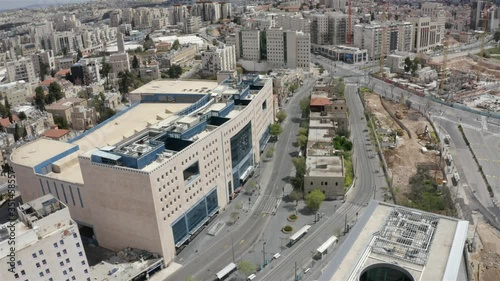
(304, 104)
(300, 166)
(314, 199)
(408, 64)
(176, 45)
(296, 196)
(246, 267)
(9, 114)
(3, 111)
(61, 122)
(22, 116)
(105, 68)
(55, 91)
(275, 130)
(342, 143)
(79, 55)
(414, 65)
(16, 133)
(40, 98)
(125, 82)
(135, 63)
(339, 88)
(303, 132)
(301, 140)
(174, 71)
(281, 116)
(7, 104)
(496, 36)
(43, 70)
(215, 42)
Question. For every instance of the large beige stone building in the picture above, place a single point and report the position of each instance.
(155, 173)
(47, 245)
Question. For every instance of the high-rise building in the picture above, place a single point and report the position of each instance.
(47, 243)
(218, 58)
(153, 176)
(427, 34)
(319, 29)
(287, 49)
(115, 18)
(120, 41)
(119, 62)
(476, 15)
(329, 29)
(369, 37)
(250, 45)
(293, 22)
(21, 69)
(191, 24)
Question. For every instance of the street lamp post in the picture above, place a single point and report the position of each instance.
(264, 252)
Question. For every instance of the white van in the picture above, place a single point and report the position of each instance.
(251, 277)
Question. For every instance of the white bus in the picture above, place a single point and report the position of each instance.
(299, 234)
(323, 249)
(224, 273)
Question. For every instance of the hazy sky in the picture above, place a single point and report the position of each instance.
(16, 4)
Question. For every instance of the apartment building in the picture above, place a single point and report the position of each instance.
(64, 107)
(184, 54)
(427, 34)
(16, 92)
(398, 37)
(21, 69)
(83, 118)
(293, 22)
(280, 48)
(43, 59)
(217, 59)
(65, 42)
(119, 62)
(47, 242)
(329, 28)
(157, 172)
(191, 24)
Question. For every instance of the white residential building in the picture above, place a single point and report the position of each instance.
(119, 62)
(47, 243)
(369, 37)
(16, 92)
(427, 34)
(288, 49)
(191, 24)
(250, 45)
(217, 59)
(294, 22)
(21, 69)
(329, 28)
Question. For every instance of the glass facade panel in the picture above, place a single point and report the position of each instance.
(196, 215)
(212, 202)
(180, 229)
(241, 144)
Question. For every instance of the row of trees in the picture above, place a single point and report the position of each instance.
(55, 93)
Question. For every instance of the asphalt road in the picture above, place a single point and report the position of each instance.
(363, 191)
(219, 254)
(448, 119)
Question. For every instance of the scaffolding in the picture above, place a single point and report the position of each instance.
(406, 235)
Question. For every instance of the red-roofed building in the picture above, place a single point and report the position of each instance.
(57, 134)
(47, 82)
(5, 122)
(62, 73)
(319, 104)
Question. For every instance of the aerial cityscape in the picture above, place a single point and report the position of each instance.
(184, 140)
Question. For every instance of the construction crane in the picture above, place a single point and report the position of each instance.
(485, 28)
(444, 71)
(384, 38)
(349, 24)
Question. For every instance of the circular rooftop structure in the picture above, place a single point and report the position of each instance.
(385, 272)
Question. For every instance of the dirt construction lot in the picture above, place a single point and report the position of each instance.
(486, 259)
(402, 160)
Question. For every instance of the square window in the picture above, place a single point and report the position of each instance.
(55, 245)
(78, 245)
(50, 279)
(41, 274)
(65, 272)
(47, 271)
(75, 235)
(37, 265)
(83, 262)
(73, 278)
(23, 272)
(34, 255)
(67, 260)
(19, 263)
(44, 262)
(58, 254)
(86, 271)
(70, 269)
(65, 252)
(61, 242)
(80, 254)
(40, 252)
(16, 275)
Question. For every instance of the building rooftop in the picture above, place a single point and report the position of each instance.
(55, 133)
(422, 245)
(320, 101)
(324, 166)
(176, 86)
(126, 265)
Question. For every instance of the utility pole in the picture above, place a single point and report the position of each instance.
(296, 277)
(374, 192)
(264, 253)
(345, 224)
(232, 245)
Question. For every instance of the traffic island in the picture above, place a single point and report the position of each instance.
(287, 229)
(292, 217)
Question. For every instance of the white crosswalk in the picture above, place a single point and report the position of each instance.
(267, 204)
